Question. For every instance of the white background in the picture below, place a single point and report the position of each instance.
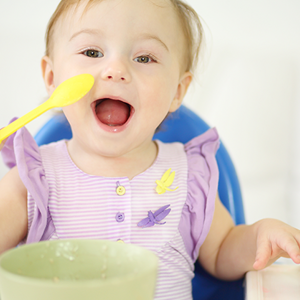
(248, 86)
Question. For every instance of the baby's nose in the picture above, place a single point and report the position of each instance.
(115, 75)
(116, 71)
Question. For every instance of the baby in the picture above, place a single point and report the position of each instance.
(106, 182)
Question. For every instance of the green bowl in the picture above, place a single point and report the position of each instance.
(78, 269)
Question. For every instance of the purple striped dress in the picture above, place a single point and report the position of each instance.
(64, 202)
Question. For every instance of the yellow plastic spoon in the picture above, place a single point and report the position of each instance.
(69, 92)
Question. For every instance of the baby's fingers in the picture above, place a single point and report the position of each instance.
(263, 254)
(2, 144)
(267, 250)
(291, 247)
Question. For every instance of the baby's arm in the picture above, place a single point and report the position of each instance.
(230, 251)
(13, 210)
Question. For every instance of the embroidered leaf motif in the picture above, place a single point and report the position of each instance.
(165, 182)
(154, 218)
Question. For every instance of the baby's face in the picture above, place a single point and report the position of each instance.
(134, 49)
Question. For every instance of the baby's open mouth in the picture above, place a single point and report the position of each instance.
(112, 112)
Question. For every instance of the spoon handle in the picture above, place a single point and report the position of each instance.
(22, 121)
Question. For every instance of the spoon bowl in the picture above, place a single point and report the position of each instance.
(68, 92)
(71, 90)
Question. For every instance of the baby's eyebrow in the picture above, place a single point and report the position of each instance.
(143, 36)
(148, 36)
(88, 31)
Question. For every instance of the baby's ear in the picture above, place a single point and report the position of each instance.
(47, 73)
(182, 88)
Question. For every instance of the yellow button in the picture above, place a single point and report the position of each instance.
(121, 190)
(120, 241)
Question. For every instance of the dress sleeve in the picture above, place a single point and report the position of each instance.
(22, 151)
(203, 177)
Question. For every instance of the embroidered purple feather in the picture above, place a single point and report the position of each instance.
(155, 218)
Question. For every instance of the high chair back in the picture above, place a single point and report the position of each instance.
(182, 126)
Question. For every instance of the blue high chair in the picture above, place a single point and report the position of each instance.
(182, 126)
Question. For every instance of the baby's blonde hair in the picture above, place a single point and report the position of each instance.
(191, 26)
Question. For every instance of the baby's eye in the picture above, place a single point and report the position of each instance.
(144, 59)
(93, 53)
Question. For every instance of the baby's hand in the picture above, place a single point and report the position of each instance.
(275, 239)
(2, 144)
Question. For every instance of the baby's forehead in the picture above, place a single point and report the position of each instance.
(84, 5)
(145, 14)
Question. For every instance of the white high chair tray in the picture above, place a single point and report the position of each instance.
(275, 282)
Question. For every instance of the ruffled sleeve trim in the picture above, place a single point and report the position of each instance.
(203, 177)
(22, 151)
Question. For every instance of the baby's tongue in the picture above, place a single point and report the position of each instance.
(113, 112)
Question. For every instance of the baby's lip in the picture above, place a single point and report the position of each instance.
(94, 103)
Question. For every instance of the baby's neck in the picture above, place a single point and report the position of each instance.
(125, 166)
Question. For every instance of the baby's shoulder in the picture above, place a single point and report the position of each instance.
(198, 152)
(201, 152)
(52, 150)
(205, 142)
